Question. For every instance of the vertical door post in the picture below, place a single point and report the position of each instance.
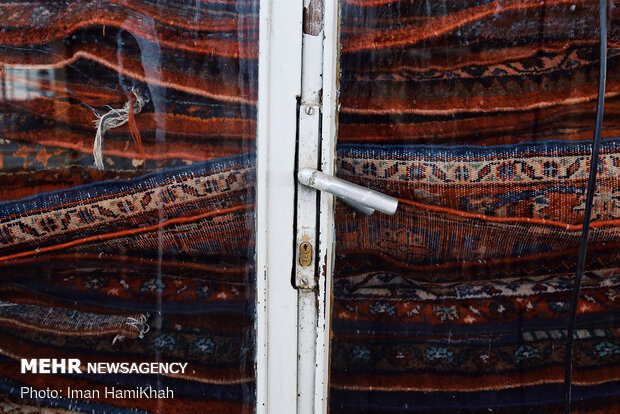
(279, 86)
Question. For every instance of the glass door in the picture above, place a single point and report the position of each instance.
(478, 116)
(128, 206)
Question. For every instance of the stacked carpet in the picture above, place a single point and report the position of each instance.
(149, 256)
(478, 116)
(65, 64)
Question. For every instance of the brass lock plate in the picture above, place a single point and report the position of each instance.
(305, 254)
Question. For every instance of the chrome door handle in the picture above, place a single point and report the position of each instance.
(361, 198)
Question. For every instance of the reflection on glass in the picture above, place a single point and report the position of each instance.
(127, 203)
(478, 116)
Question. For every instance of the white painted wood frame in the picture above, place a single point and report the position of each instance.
(292, 374)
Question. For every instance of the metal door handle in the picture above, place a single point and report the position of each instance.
(361, 198)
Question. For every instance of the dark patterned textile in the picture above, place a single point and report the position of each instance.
(478, 116)
(148, 258)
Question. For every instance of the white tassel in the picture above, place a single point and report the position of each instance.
(112, 119)
(140, 324)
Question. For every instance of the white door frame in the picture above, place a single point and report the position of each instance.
(279, 85)
(292, 377)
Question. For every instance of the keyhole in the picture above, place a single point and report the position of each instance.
(305, 254)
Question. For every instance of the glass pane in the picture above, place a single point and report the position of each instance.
(127, 137)
(479, 117)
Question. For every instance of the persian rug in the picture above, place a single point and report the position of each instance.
(200, 314)
(31, 168)
(473, 72)
(543, 180)
(419, 234)
(470, 336)
(201, 199)
(99, 281)
(64, 65)
(227, 31)
(165, 229)
(478, 116)
(63, 321)
(40, 109)
(220, 361)
(176, 244)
